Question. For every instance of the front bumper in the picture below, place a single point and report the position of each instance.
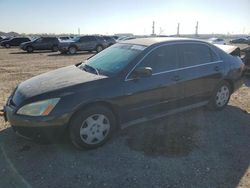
(48, 127)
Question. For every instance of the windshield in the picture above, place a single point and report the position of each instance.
(113, 59)
(75, 39)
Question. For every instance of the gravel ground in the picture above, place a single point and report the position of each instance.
(198, 148)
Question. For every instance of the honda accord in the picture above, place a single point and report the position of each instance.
(130, 82)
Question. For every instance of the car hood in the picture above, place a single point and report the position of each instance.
(53, 80)
(26, 43)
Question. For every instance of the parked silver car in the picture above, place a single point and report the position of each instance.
(83, 43)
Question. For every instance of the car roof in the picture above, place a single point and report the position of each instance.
(157, 40)
(20, 38)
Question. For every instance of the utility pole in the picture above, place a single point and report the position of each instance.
(79, 31)
(178, 30)
(153, 29)
(196, 29)
(161, 31)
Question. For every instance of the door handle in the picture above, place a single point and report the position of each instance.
(176, 78)
(216, 68)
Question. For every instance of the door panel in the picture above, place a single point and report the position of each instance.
(157, 93)
(40, 44)
(148, 96)
(83, 43)
(200, 72)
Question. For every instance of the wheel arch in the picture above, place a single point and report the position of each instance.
(230, 82)
(73, 45)
(28, 47)
(105, 104)
(99, 45)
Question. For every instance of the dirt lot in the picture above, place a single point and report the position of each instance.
(198, 148)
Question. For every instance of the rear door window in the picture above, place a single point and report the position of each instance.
(195, 54)
(14, 40)
(92, 38)
(161, 59)
(84, 39)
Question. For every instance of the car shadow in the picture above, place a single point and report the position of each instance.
(35, 52)
(78, 53)
(200, 133)
(198, 148)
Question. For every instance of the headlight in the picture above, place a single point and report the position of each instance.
(41, 108)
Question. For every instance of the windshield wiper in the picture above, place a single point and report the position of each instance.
(88, 67)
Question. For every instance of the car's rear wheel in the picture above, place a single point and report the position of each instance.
(29, 49)
(92, 127)
(72, 50)
(99, 48)
(221, 96)
(54, 48)
(7, 45)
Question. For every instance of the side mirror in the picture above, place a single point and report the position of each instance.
(142, 72)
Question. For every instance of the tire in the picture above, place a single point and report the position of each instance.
(55, 48)
(72, 50)
(30, 49)
(7, 45)
(99, 48)
(220, 96)
(92, 127)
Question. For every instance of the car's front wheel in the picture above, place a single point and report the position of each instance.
(221, 96)
(72, 50)
(29, 49)
(7, 45)
(55, 48)
(92, 127)
(99, 48)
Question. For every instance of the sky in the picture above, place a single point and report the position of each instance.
(127, 16)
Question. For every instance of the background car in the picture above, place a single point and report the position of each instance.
(125, 38)
(16, 41)
(109, 40)
(1, 38)
(84, 43)
(240, 41)
(127, 83)
(65, 38)
(6, 38)
(246, 59)
(217, 41)
(42, 43)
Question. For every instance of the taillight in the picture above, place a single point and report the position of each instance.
(242, 66)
